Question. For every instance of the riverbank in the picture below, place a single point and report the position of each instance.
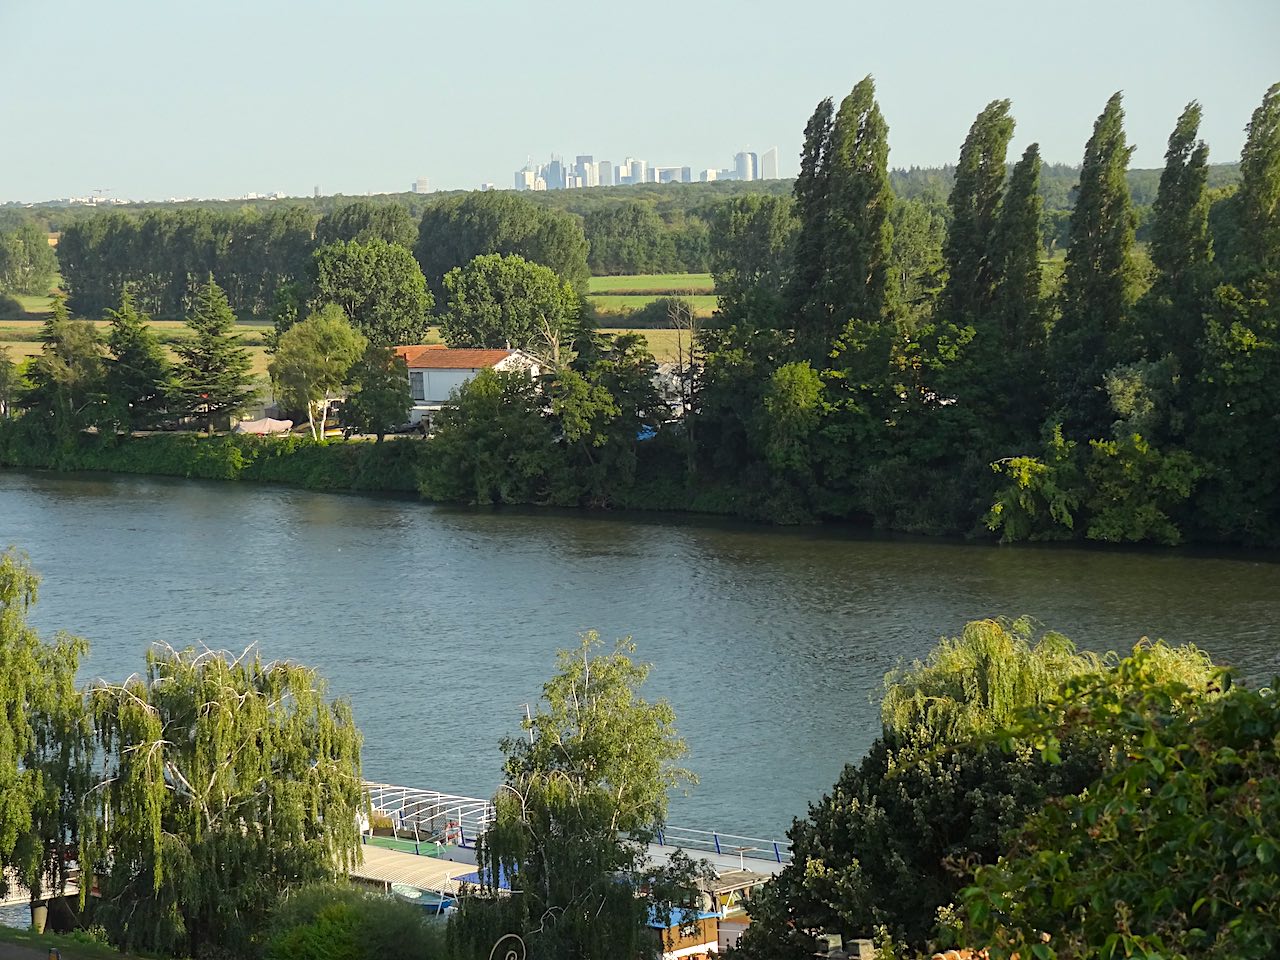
(326, 465)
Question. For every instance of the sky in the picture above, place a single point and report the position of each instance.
(152, 99)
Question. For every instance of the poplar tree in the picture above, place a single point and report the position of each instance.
(805, 299)
(975, 206)
(227, 782)
(1181, 249)
(139, 375)
(1238, 404)
(213, 375)
(864, 308)
(1016, 310)
(1091, 335)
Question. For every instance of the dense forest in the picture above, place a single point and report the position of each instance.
(254, 247)
(871, 362)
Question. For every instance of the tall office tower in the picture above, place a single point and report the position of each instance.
(744, 165)
(639, 171)
(555, 174)
(584, 168)
(769, 164)
(604, 173)
(525, 178)
(317, 189)
(421, 185)
(686, 175)
(707, 176)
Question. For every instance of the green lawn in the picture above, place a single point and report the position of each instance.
(703, 304)
(663, 344)
(653, 283)
(70, 949)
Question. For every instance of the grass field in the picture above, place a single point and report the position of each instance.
(653, 283)
(622, 304)
(663, 344)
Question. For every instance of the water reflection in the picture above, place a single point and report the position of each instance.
(439, 623)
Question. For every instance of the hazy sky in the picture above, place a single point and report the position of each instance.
(158, 98)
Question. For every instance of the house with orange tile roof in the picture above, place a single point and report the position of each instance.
(436, 371)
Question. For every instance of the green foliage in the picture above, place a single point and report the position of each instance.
(1043, 495)
(751, 252)
(139, 377)
(662, 313)
(379, 287)
(27, 262)
(312, 362)
(341, 922)
(492, 444)
(455, 231)
(580, 799)
(628, 238)
(506, 301)
(1172, 852)
(793, 409)
(227, 782)
(947, 786)
(45, 746)
(214, 383)
(1135, 490)
(977, 683)
(1099, 284)
(365, 220)
(379, 400)
(65, 382)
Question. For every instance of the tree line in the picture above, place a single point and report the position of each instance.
(1023, 797)
(873, 360)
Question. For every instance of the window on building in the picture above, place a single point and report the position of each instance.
(417, 389)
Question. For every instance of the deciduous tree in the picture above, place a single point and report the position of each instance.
(506, 301)
(228, 781)
(313, 361)
(379, 400)
(379, 287)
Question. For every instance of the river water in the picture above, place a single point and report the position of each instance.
(441, 623)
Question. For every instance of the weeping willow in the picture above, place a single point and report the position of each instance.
(45, 739)
(985, 679)
(226, 781)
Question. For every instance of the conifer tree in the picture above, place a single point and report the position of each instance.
(214, 374)
(66, 378)
(805, 299)
(1091, 335)
(975, 205)
(1181, 250)
(863, 301)
(139, 375)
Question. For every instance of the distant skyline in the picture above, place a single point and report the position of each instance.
(150, 99)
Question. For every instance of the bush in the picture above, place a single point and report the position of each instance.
(659, 312)
(342, 922)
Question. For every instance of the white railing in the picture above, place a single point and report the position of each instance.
(430, 816)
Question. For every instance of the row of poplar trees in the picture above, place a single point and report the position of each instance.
(1129, 393)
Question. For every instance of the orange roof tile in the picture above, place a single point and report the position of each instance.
(433, 356)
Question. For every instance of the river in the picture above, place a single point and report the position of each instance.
(441, 623)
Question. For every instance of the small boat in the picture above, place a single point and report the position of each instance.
(429, 900)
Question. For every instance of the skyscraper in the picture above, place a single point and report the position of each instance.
(639, 171)
(769, 164)
(421, 185)
(584, 168)
(604, 175)
(745, 165)
(555, 174)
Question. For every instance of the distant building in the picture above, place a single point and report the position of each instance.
(421, 185)
(707, 176)
(769, 164)
(604, 173)
(317, 193)
(745, 165)
(555, 174)
(639, 170)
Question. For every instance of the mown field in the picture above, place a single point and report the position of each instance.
(613, 297)
(619, 296)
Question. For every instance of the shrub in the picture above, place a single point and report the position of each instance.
(342, 922)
